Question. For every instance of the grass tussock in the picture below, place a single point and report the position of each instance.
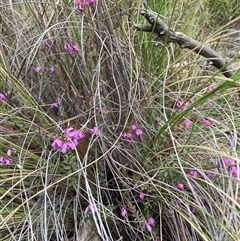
(104, 136)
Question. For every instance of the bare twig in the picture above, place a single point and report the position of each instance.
(166, 35)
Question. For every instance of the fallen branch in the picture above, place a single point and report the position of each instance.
(166, 35)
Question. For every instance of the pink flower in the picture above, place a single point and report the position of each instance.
(7, 93)
(9, 152)
(52, 69)
(55, 104)
(180, 105)
(8, 161)
(207, 123)
(70, 132)
(187, 124)
(148, 226)
(133, 127)
(82, 97)
(128, 135)
(194, 173)
(80, 135)
(57, 143)
(66, 146)
(91, 207)
(80, 4)
(68, 48)
(226, 161)
(84, 2)
(47, 46)
(180, 186)
(74, 135)
(99, 112)
(191, 100)
(95, 131)
(2, 96)
(151, 221)
(75, 142)
(123, 212)
(76, 47)
(193, 109)
(142, 196)
(138, 132)
(2, 159)
(235, 171)
(38, 69)
(210, 88)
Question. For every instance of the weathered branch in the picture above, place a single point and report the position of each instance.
(166, 35)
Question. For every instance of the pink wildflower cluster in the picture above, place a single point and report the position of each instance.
(72, 136)
(135, 130)
(68, 47)
(71, 48)
(7, 160)
(3, 96)
(196, 203)
(149, 224)
(180, 105)
(210, 88)
(181, 187)
(71, 139)
(187, 123)
(191, 187)
(183, 106)
(232, 168)
(82, 3)
(39, 69)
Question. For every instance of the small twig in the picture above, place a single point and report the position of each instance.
(166, 35)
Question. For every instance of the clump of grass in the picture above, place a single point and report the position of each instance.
(221, 12)
(105, 131)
